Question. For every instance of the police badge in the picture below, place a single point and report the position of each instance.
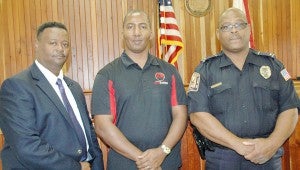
(194, 83)
(265, 72)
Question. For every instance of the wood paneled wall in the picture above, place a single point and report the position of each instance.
(275, 25)
(95, 28)
(96, 38)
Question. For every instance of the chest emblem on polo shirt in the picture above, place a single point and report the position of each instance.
(265, 72)
(160, 77)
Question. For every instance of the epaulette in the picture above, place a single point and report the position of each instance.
(211, 57)
(264, 54)
(269, 55)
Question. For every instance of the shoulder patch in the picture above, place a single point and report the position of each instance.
(285, 74)
(195, 82)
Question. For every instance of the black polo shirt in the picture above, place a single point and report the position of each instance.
(246, 102)
(140, 100)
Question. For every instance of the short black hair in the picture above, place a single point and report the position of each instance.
(51, 24)
(136, 11)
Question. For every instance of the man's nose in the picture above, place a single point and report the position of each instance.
(137, 31)
(234, 29)
(60, 47)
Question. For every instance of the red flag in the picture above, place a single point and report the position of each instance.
(169, 40)
(243, 5)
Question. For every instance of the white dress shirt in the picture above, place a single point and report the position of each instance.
(52, 80)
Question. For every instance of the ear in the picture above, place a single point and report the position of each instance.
(151, 35)
(151, 42)
(218, 34)
(36, 44)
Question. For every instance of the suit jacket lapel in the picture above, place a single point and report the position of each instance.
(45, 86)
(82, 108)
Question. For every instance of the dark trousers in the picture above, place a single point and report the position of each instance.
(226, 159)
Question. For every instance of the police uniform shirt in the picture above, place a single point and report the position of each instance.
(140, 100)
(246, 102)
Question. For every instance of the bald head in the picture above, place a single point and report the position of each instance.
(233, 32)
(232, 13)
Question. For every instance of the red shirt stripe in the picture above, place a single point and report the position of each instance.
(112, 101)
(174, 101)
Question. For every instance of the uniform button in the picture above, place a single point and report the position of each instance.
(79, 151)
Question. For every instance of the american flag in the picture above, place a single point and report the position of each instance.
(169, 40)
(285, 74)
(243, 5)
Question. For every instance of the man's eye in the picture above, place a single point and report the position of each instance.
(241, 25)
(66, 45)
(53, 43)
(144, 27)
(129, 27)
(224, 27)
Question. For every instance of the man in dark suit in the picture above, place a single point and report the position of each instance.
(36, 114)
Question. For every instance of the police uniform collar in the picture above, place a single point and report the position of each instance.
(225, 61)
(253, 58)
(127, 61)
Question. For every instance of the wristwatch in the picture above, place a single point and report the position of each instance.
(165, 149)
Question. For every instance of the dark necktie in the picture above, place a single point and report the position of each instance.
(76, 124)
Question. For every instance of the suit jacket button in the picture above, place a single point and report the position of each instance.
(79, 151)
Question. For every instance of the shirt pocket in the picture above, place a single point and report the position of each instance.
(266, 94)
(220, 98)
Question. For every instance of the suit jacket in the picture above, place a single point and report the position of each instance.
(37, 129)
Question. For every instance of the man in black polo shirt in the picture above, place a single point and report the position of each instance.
(242, 100)
(139, 104)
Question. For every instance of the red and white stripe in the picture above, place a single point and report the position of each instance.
(170, 41)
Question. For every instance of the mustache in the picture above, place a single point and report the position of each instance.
(59, 55)
(234, 37)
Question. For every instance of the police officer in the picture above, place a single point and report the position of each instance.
(242, 100)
